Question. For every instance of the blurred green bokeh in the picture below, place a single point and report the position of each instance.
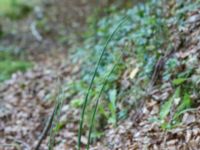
(15, 9)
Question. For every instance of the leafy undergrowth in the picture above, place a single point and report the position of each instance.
(150, 34)
(152, 31)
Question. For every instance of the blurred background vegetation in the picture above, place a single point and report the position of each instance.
(11, 60)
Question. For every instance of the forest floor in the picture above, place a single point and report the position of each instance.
(25, 105)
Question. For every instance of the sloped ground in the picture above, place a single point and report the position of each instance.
(27, 101)
(138, 132)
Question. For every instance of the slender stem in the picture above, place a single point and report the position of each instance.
(91, 83)
(48, 126)
(96, 106)
(46, 129)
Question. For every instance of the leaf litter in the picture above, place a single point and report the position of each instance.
(27, 100)
(147, 133)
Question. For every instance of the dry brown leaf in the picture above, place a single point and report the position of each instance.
(188, 135)
(188, 119)
(133, 73)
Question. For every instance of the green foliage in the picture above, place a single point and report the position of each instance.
(93, 78)
(175, 108)
(170, 68)
(14, 9)
(112, 106)
(166, 107)
(112, 96)
(144, 37)
(179, 81)
(9, 64)
(141, 37)
(185, 104)
(56, 124)
(77, 103)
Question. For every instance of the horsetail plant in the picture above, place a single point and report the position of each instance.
(57, 112)
(96, 105)
(92, 80)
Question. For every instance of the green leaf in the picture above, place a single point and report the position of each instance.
(14, 66)
(186, 103)
(166, 125)
(166, 107)
(155, 119)
(59, 126)
(183, 107)
(76, 103)
(179, 81)
(112, 120)
(112, 96)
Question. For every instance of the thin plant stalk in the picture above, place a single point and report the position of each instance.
(48, 126)
(58, 107)
(96, 105)
(91, 83)
(46, 129)
(52, 135)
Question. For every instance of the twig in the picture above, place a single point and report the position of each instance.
(159, 66)
(46, 129)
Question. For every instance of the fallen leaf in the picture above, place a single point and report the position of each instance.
(133, 73)
(188, 119)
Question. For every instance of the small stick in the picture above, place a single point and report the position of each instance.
(46, 129)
